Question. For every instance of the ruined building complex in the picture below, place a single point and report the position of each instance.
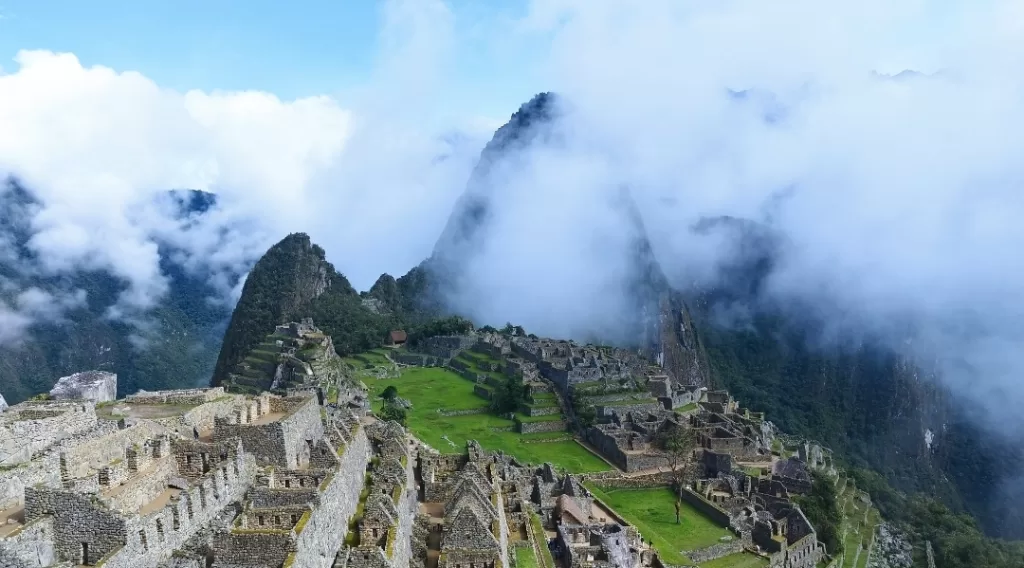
(240, 477)
(178, 478)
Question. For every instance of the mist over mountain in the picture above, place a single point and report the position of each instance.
(61, 319)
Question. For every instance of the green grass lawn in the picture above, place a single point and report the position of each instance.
(525, 558)
(652, 512)
(433, 388)
(739, 560)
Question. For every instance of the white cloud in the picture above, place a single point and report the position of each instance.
(905, 194)
(99, 146)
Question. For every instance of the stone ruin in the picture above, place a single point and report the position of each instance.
(298, 356)
(97, 386)
(177, 479)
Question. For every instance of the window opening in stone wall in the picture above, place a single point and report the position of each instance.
(295, 519)
(277, 520)
(175, 521)
(85, 554)
(287, 483)
(259, 519)
(142, 540)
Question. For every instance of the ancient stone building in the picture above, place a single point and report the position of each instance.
(193, 478)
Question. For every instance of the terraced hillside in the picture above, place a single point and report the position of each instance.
(451, 406)
(860, 519)
(294, 356)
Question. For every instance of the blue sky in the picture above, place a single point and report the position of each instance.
(292, 49)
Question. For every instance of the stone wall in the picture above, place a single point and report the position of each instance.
(644, 408)
(41, 472)
(714, 513)
(538, 427)
(30, 546)
(256, 549)
(76, 520)
(24, 431)
(90, 455)
(140, 489)
(202, 417)
(286, 442)
(709, 553)
(153, 537)
(401, 552)
(184, 396)
(324, 532)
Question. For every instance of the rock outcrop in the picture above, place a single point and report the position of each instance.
(3, 403)
(97, 386)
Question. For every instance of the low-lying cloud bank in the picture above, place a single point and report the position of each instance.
(897, 196)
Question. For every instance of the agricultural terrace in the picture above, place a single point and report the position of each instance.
(860, 519)
(433, 389)
(652, 512)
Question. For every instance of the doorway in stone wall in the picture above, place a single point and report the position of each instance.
(85, 554)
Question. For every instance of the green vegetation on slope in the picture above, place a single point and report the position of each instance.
(955, 537)
(434, 389)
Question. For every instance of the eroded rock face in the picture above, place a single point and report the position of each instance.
(97, 386)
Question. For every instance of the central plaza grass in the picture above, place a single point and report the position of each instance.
(652, 512)
(430, 389)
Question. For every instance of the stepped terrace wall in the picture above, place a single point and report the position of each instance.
(88, 456)
(286, 441)
(31, 427)
(321, 536)
(316, 539)
(183, 397)
(84, 527)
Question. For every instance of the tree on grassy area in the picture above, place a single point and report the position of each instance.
(389, 395)
(821, 506)
(585, 413)
(393, 412)
(678, 443)
(509, 395)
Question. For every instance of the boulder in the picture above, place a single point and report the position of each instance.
(97, 386)
(3, 403)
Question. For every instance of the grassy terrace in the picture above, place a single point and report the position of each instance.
(544, 418)
(430, 389)
(652, 512)
(525, 558)
(858, 526)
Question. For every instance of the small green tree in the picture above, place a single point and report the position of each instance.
(393, 412)
(390, 394)
(509, 396)
(678, 442)
(586, 414)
